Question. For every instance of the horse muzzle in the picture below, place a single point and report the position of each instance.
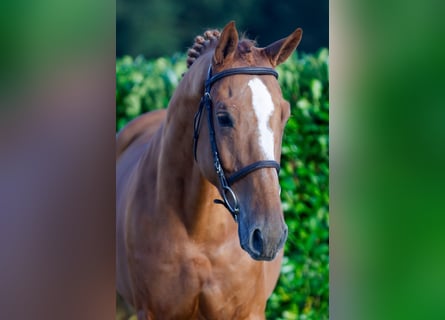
(263, 244)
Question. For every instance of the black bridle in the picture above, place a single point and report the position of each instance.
(230, 200)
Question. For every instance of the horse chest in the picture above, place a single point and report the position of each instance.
(232, 293)
(194, 284)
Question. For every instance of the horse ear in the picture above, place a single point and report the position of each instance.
(227, 44)
(280, 50)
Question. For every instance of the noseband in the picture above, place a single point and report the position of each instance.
(230, 200)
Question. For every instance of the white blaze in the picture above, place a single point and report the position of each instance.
(263, 106)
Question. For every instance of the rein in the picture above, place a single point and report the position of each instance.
(230, 200)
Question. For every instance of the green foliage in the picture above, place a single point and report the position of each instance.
(145, 85)
(303, 288)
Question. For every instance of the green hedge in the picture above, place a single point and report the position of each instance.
(303, 288)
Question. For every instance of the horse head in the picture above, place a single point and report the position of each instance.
(246, 115)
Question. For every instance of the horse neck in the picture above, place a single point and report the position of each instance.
(182, 191)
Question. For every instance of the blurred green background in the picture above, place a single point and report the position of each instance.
(387, 160)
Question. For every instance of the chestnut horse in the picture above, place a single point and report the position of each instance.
(181, 254)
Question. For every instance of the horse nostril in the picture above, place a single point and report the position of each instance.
(257, 241)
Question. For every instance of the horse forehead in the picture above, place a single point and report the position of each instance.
(262, 98)
(252, 84)
(263, 107)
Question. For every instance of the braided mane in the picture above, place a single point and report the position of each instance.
(209, 40)
(201, 43)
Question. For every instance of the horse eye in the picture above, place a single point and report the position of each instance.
(224, 119)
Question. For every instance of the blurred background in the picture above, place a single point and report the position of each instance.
(159, 27)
